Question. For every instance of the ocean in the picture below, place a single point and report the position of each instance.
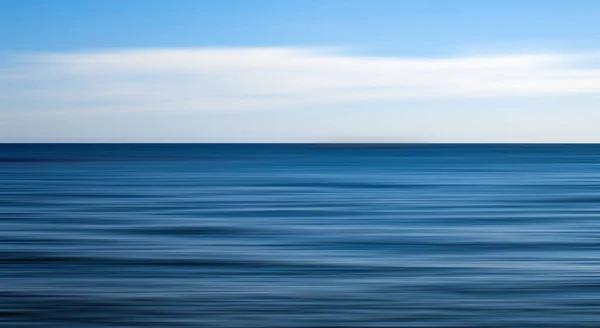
(300, 235)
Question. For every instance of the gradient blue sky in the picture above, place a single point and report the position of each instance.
(299, 71)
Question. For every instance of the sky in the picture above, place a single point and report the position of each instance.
(299, 71)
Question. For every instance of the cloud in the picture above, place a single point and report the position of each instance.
(209, 79)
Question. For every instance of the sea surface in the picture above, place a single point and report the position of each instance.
(299, 235)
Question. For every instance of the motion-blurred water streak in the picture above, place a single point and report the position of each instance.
(302, 235)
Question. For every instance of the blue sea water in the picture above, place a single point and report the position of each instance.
(299, 235)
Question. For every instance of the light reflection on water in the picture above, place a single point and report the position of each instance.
(299, 236)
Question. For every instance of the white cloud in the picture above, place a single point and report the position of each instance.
(206, 79)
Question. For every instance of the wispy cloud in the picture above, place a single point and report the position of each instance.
(206, 79)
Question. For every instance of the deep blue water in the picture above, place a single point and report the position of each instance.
(184, 235)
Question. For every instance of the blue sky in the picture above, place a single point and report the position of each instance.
(299, 71)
